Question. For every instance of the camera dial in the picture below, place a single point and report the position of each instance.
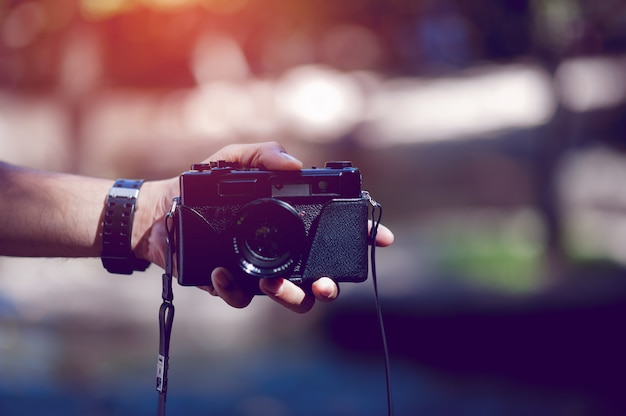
(268, 238)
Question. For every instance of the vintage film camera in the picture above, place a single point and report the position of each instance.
(300, 225)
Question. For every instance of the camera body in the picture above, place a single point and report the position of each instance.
(300, 225)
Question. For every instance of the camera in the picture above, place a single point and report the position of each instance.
(258, 223)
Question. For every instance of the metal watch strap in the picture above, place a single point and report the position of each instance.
(117, 226)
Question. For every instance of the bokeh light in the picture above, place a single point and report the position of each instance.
(592, 83)
(321, 103)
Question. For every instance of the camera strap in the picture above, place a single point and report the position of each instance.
(376, 216)
(166, 311)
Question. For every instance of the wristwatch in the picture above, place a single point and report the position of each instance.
(117, 226)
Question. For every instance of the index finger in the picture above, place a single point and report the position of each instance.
(384, 236)
(268, 155)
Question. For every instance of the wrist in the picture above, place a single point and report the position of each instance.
(148, 236)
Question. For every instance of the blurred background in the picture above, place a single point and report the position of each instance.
(491, 131)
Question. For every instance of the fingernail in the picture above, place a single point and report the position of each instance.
(326, 289)
(273, 285)
(289, 157)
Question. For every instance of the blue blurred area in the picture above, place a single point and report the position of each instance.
(311, 380)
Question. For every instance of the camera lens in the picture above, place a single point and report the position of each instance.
(268, 238)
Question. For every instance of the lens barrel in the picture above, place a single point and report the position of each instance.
(268, 238)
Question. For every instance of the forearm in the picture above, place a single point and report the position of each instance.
(50, 214)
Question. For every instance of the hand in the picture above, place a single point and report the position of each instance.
(156, 198)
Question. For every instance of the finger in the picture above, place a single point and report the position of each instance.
(325, 289)
(287, 294)
(225, 287)
(269, 155)
(209, 289)
(384, 236)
